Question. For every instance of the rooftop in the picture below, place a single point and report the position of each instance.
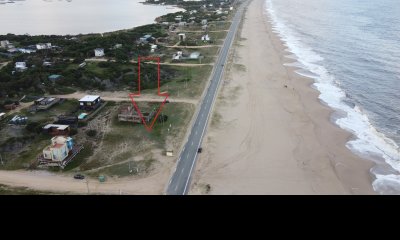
(58, 145)
(59, 127)
(55, 76)
(89, 98)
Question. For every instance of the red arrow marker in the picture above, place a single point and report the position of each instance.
(132, 95)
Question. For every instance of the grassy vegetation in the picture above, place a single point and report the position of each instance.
(131, 168)
(216, 119)
(66, 107)
(8, 190)
(189, 84)
(81, 158)
(127, 141)
(239, 67)
(28, 156)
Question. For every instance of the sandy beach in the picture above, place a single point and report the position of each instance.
(269, 133)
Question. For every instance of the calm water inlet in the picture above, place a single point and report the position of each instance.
(61, 17)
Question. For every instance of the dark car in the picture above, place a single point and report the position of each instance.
(79, 176)
(199, 150)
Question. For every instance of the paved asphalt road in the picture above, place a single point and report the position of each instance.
(180, 181)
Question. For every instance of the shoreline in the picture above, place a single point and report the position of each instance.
(309, 150)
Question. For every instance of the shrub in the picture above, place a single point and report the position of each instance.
(91, 133)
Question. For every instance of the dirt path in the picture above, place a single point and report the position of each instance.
(179, 64)
(121, 96)
(170, 64)
(201, 31)
(45, 181)
(204, 46)
(3, 64)
(21, 106)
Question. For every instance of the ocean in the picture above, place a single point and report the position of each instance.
(62, 17)
(351, 48)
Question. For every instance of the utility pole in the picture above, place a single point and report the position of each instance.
(87, 185)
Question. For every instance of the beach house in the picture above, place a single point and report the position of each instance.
(177, 56)
(129, 114)
(20, 66)
(59, 148)
(57, 129)
(182, 37)
(89, 102)
(42, 46)
(4, 43)
(45, 103)
(146, 39)
(99, 52)
(153, 48)
(205, 38)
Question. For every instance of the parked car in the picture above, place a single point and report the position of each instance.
(79, 176)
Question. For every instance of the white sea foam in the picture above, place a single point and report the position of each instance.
(367, 139)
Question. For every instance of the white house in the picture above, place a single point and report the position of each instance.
(204, 22)
(59, 148)
(4, 43)
(153, 48)
(89, 102)
(41, 46)
(182, 24)
(26, 50)
(178, 18)
(205, 38)
(182, 37)
(99, 52)
(145, 39)
(20, 66)
(177, 55)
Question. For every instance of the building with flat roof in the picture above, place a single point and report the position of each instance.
(89, 102)
(20, 66)
(57, 129)
(45, 103)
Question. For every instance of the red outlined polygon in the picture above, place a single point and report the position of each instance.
(133, 95)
